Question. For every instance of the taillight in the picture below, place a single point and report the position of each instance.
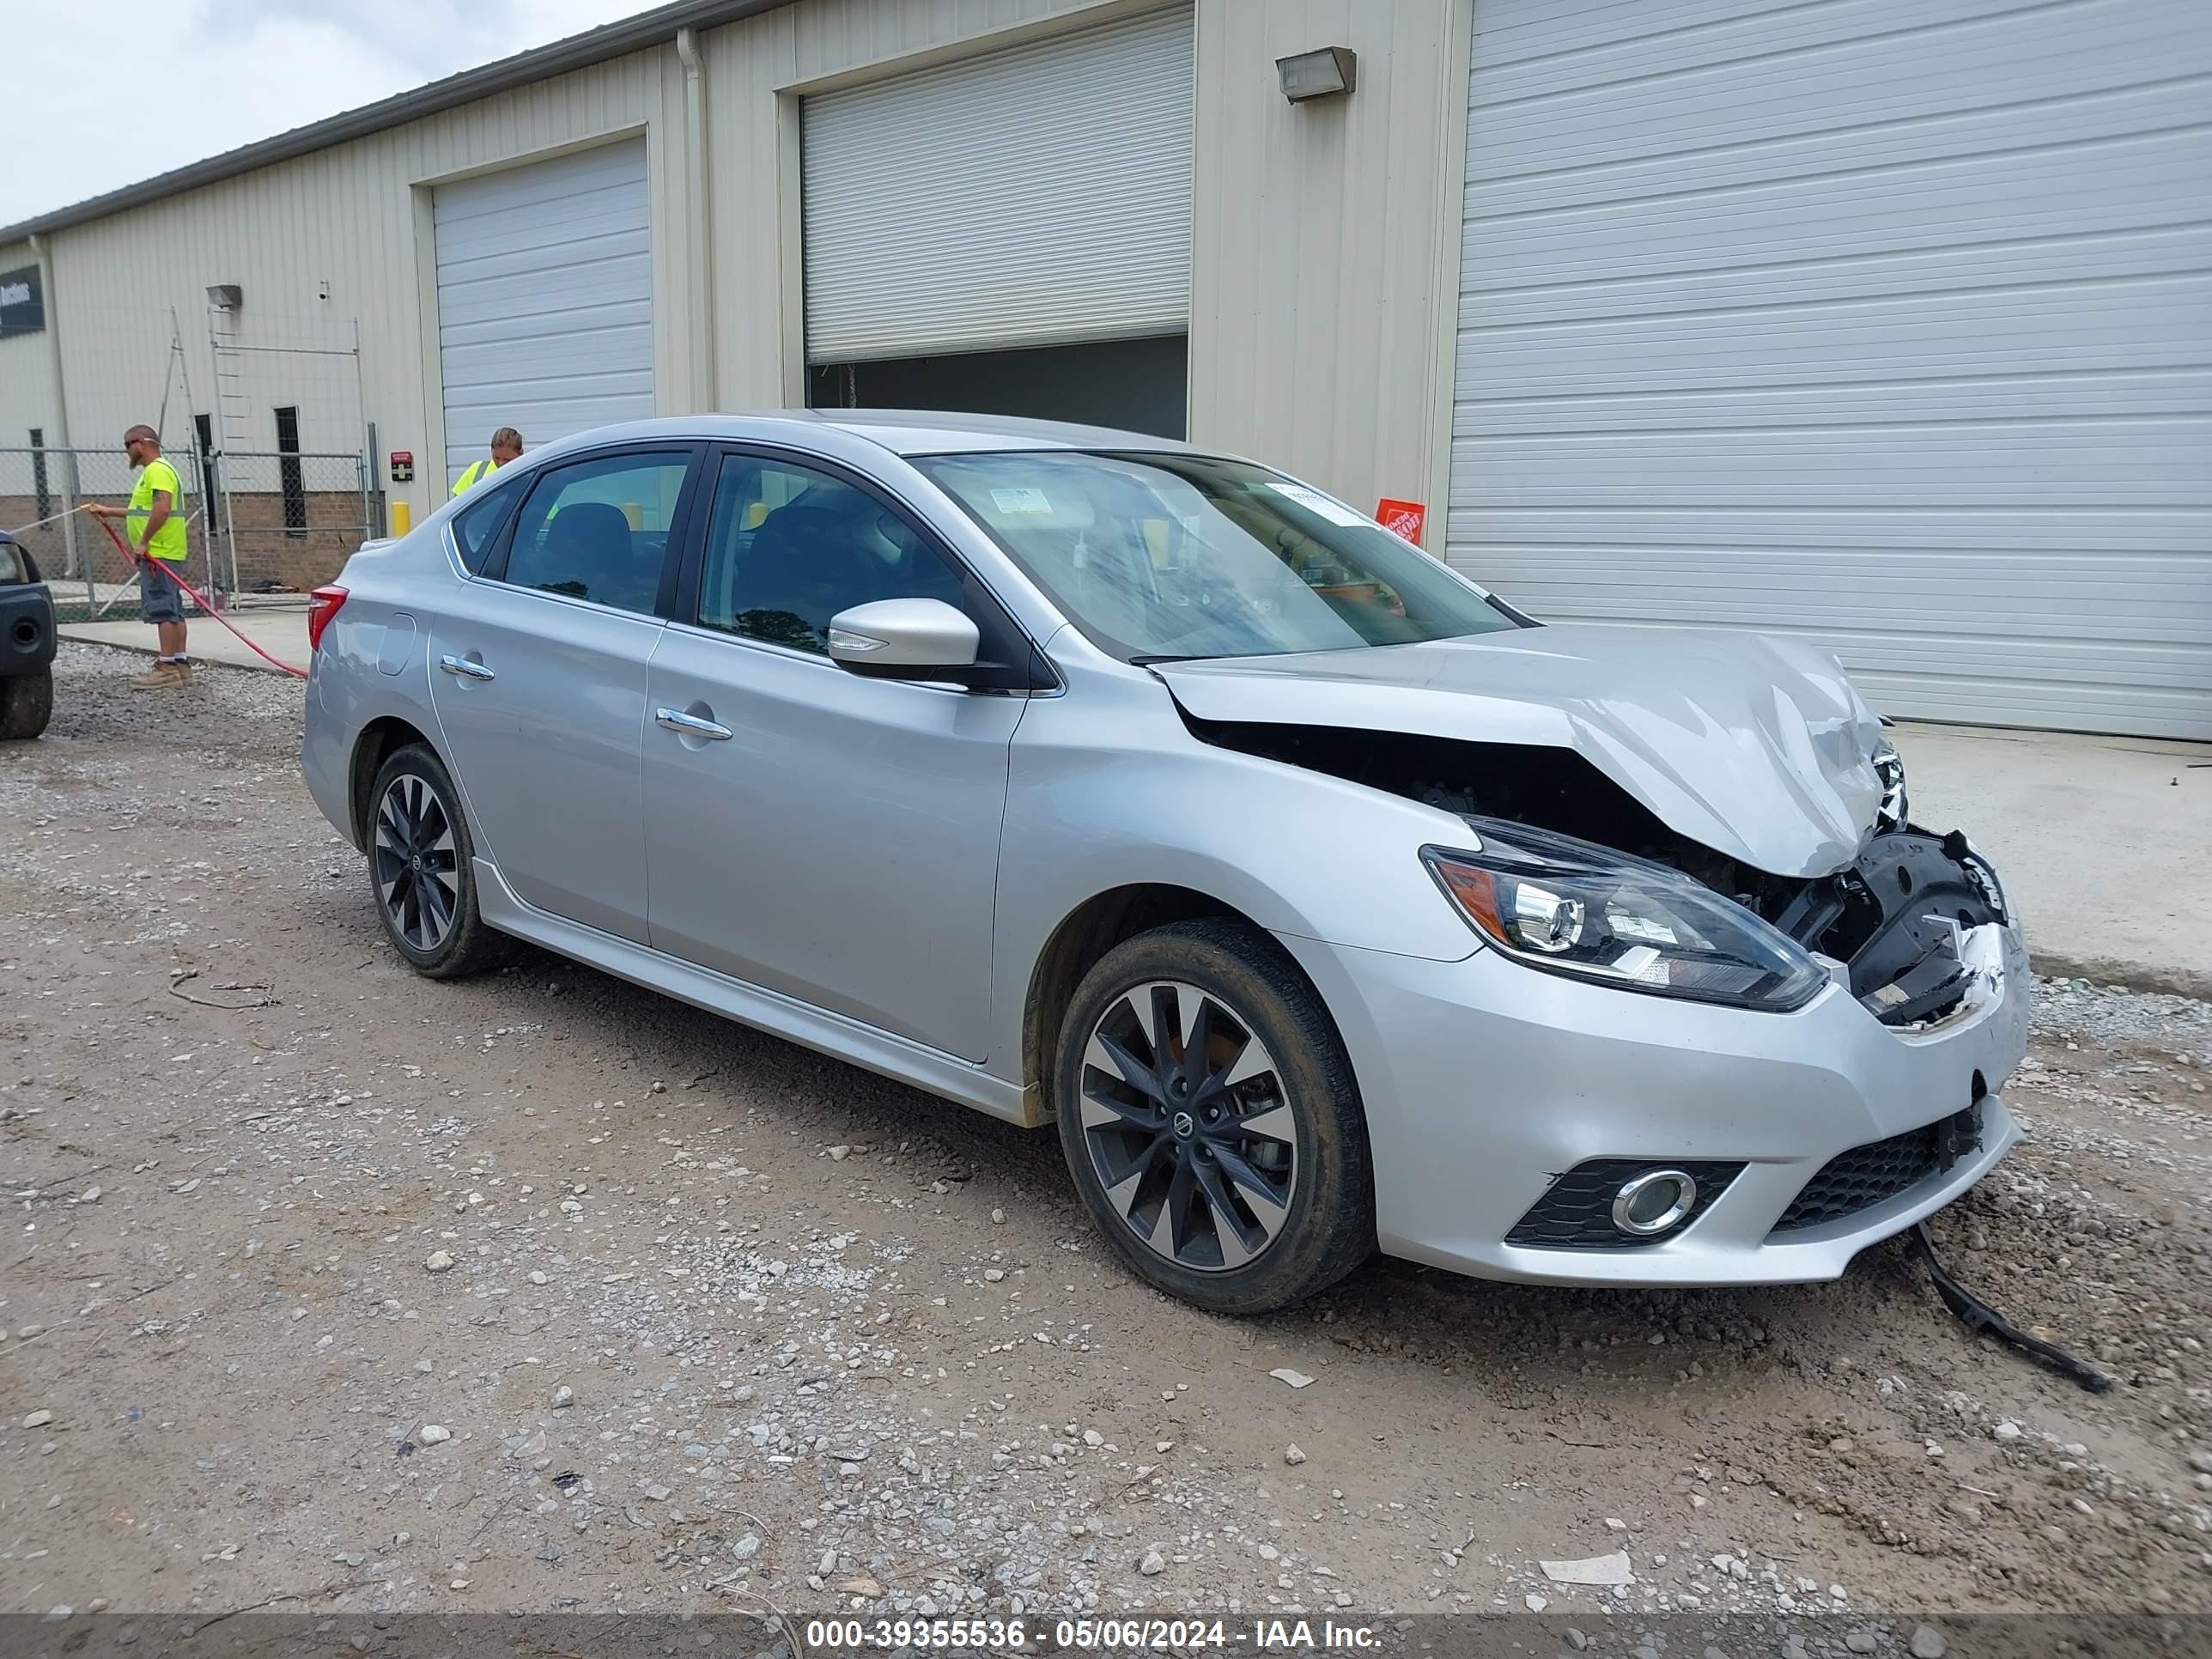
(322, 605)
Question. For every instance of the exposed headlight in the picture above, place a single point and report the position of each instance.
(1568, 907)
(1984, 875)
(1889, 767)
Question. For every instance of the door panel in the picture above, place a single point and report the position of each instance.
(839, 845)
(546, 751)
(539, 678)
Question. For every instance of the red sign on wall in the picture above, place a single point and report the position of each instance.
(1403, 518)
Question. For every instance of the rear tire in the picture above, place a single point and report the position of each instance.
(421, 869)
(1233, 1172)
(26, 703)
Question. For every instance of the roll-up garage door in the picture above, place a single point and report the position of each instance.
(1883, 322)
(1031, 196)
(545, 298)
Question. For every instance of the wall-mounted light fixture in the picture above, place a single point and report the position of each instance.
(1319, 74)
(226, 297)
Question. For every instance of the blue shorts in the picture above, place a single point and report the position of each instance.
(160, 600)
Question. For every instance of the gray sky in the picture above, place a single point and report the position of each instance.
(100, 96)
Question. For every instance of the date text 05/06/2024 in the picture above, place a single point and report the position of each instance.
(1086, 1635)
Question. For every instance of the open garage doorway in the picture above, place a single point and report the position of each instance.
(1008, 233)
(1137, 384)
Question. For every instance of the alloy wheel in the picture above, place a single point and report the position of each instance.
(1187, 1126)
(416, 865)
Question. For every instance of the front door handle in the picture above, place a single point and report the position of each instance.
(690, 725)
(465, 667)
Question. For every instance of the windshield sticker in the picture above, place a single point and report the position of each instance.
(1314, 501)
(1020, 501)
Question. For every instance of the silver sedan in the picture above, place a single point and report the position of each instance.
(1324, 901)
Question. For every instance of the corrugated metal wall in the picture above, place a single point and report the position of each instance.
(1320, 336)
(1035, 196)
(27, 395)
(1322, 281)
(1879, 321)
(756, 72)
(346, 218)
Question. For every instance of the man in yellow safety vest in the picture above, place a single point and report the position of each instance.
(154, 523)
(505, 445)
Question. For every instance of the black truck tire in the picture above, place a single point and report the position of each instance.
(26, 703)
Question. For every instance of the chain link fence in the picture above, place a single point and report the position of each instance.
(288, 521)
(43, 492)
(261, 527)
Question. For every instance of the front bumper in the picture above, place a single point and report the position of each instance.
(1484, 1081)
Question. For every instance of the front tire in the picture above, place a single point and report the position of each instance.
(26, 703)
(421, 869)
(1210, 1119)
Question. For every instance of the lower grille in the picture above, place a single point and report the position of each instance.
(1870, 1175)
(1577, 1212)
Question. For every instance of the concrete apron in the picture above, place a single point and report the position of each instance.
(2104, 844)
(280, 630)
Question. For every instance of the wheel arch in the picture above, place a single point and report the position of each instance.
(1086, 933)
(378, 740)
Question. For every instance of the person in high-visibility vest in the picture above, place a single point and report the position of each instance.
(155, 530)
(505, 445)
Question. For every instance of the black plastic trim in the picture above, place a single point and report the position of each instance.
(1575, 1212)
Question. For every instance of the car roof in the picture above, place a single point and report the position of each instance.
(931, 432)
(901, 431)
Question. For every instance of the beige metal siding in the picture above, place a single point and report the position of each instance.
(26, 380)
(1327, 248)
(1318, 270)
(346, 216)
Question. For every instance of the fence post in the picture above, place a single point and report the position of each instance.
(77, 561)
(375, 485)
(362, 475)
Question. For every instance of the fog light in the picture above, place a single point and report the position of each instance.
(1652, 1203)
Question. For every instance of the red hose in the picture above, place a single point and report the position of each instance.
(162, 565)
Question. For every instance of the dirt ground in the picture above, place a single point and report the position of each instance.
(331, 1284)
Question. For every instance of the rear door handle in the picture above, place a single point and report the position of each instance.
(690, 725)
(464, 666)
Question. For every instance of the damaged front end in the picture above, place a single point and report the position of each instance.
(1915, 923)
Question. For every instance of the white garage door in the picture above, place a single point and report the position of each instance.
(1031, 196)
(1879, 321)
(545, 298)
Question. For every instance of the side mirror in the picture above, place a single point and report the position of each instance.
(905, 640)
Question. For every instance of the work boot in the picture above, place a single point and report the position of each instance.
(163, 676)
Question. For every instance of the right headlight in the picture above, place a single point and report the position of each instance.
(1570, 907)
(1889, 766)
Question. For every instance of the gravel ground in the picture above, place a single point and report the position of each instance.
(541, 1291)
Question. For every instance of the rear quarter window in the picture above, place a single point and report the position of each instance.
(477, 525)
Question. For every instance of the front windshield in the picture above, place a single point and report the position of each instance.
(1157, 557)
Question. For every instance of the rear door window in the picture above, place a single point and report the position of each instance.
(598, 530)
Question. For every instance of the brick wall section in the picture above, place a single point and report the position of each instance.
(266, 552)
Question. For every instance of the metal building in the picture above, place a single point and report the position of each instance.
(1884, 322)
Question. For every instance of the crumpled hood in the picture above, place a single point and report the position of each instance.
(1758, 748)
